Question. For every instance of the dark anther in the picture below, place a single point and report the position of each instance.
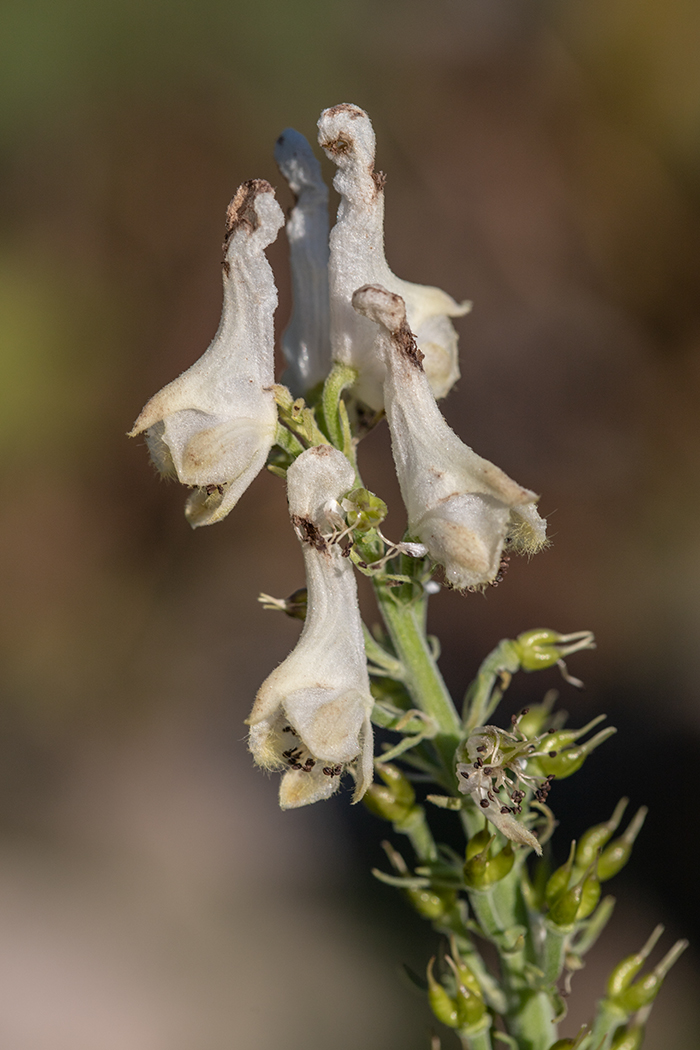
(525, 711)
(505, 809)
(463, 774)
(552, 754)
(488, 770)
(484, 803)
(482, 748)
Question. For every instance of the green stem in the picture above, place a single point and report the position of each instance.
(477, 1038)
(339, 378)
(405, 623)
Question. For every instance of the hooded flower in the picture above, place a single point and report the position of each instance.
(312, 715)
(214, 425)
(306, 342)
(357, 257)
(463, 508)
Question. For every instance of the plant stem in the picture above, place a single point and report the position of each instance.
(405, 622)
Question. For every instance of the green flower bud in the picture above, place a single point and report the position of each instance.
(364, 510)
(558, 882)
(615, 856)
(542, 647)
(596, 837)
(442, 1005)
(564, 763)
(627, 1038)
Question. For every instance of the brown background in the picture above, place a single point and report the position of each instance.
(543, 159)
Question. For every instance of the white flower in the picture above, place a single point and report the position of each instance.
(312, 715)
(214, 425)
(357, 258)
(463, 508)
(306, 341)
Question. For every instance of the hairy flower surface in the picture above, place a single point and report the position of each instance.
(214, 425)
(312, 715)
(357, 258)
(462, 507)
(306, 342)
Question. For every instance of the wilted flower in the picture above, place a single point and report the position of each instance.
(463, 508)
(306, 342)
(312, 715)
(357, 257)
(214, 425)
(496, 767)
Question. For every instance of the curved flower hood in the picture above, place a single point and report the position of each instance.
(357, 257)
(312, 715)
(306, 341)
(462, 507)
(214, 425)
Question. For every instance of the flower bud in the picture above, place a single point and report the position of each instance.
(615, 856)
(357, 258)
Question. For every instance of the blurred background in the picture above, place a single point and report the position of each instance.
(543, 159)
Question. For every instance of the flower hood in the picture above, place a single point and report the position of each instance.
(214, 425)
(312, 715)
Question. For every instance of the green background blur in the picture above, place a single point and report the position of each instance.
(543, 159)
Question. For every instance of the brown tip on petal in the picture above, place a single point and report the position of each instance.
(389, 310)
(354, 112)
(241, 211)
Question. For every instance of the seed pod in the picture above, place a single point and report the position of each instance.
(596, 837)
(442, 1005)
(558, 882)
(615, 856)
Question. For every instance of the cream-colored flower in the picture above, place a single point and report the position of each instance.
(306, 342)
(311, 717)
(214, 425)
(463, 508)
(357, 258)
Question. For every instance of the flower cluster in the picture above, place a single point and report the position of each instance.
(393, 343)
